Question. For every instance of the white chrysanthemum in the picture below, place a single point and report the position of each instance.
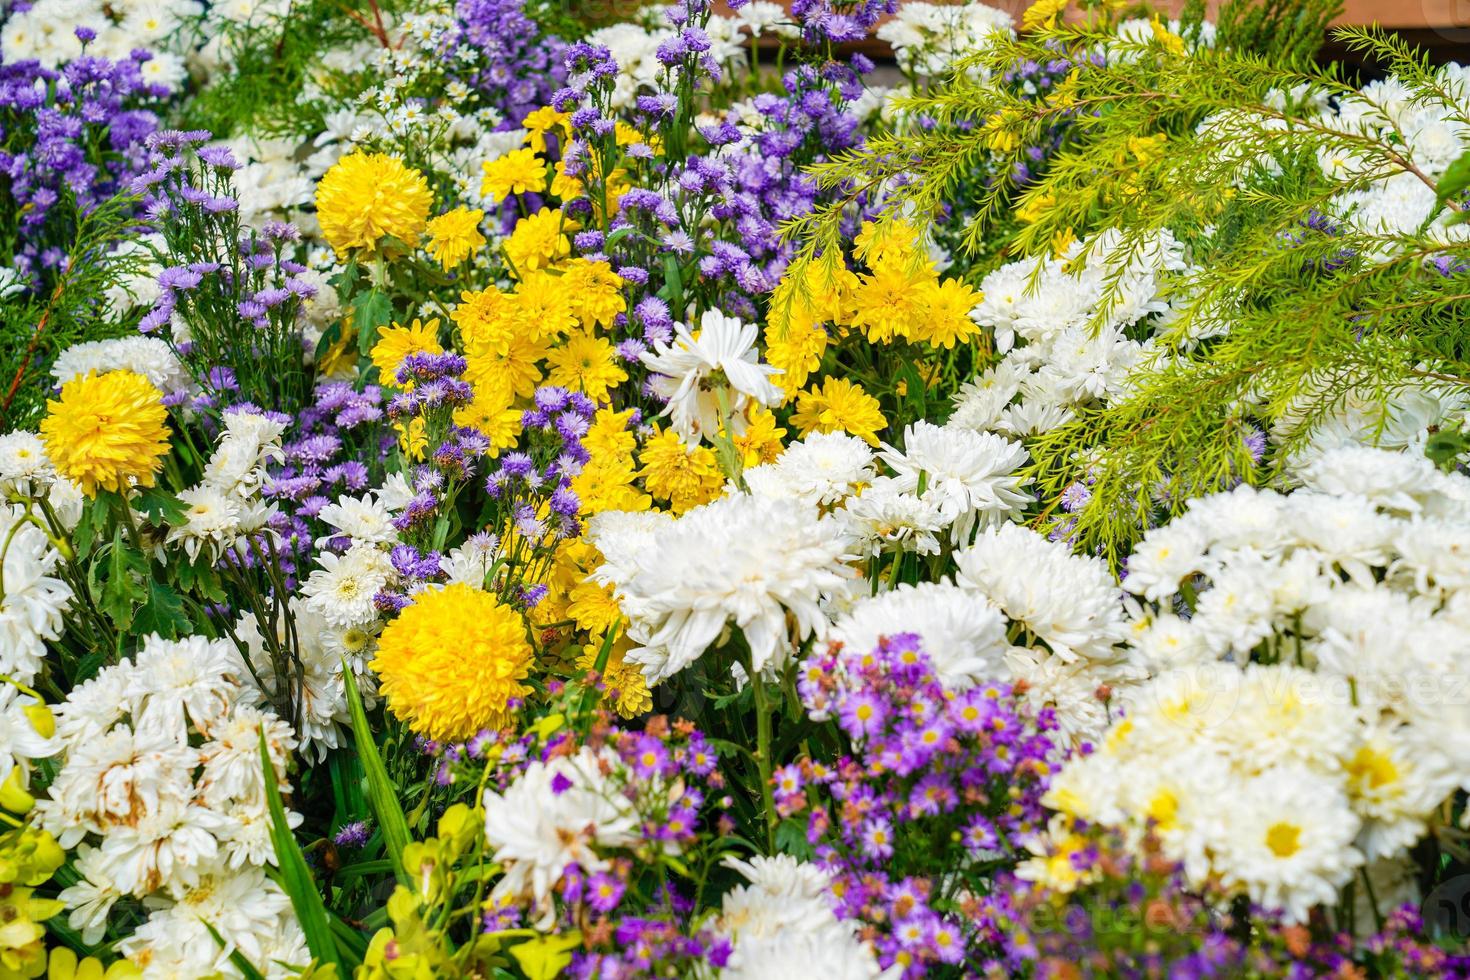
(117, 779)
(1166, 641)
(555, 814)
(971, 475)
(249, 911)
(165, 848)
(34, 601)
(1289, 714)
(1433, 555)
(821, 469)
(342, 589)
(24, 465)
(1288, 840)
(1395, 780)
(784, 918)
(887, 518)
(1078, 693)
(92, 896)
(232, 771)
(1072, 603)
(689, 372)
(470, 562)
(1164, 557)
(964, 636)
(249, 442)
(365, 519)
(211, 521)
(1400, 483)
(741, 560)
(176, 683)
(1242, 518)
(148, 356)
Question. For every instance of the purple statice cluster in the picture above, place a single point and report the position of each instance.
(1133, 915)
(938, 788)
(79, 131)
(240, 291)
(506, 56)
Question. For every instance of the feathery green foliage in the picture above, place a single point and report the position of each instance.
(1278, 323)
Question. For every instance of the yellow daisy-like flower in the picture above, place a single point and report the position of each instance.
(596, 292)
(517, 371)
(672, 471)
(413, 438)
(545, 308)
(839, 405)
(563, 186)
(366, 196)
(107, 432)
(949, 320)
(452, 661)
(518, 172)
(609, 436)
(606, 483)
(537, 242)
(586, 363)
(761, 441)
(491, 413)
(894, 298)
(626, 691)
(454, 236)
(397, 342)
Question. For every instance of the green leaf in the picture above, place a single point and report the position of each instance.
(1455, 180)
(90, 527)
(163, 613)
(1445, 446)
(791, 839)
(120, 589)
(381, 793)
(370, 311)
(198, 577)
(295, 877)
(160, 507)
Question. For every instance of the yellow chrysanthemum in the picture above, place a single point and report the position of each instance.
(492, 415)
(366, 196)
(397, 342)
(518, 172)
(839, 406)
(672, 471)
(889, 302)
(609, 436)
(626, 691)
(544, 305)
(606, 483)
(596, 292)
(451, 662)
(586, 363)
(488, 321)
(454, 236)
(413, 438)
(107, 431)
(948, 321)
(761, 441)
(537, 241)
(516, 372)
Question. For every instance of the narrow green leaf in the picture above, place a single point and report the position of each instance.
(381, 793)
(295, 876)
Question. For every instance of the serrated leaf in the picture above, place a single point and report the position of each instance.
(122, 587)
(163, 613)
(382, 794)
(160, 506)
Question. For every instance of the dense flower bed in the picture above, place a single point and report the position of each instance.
(491, 495)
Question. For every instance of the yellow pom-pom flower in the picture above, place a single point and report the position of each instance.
(839, 406)
(366, 196)
(397, 342)
(450, 664)
(107, 431)
(454, 236)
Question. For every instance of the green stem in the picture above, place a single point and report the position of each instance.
(763, 756)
